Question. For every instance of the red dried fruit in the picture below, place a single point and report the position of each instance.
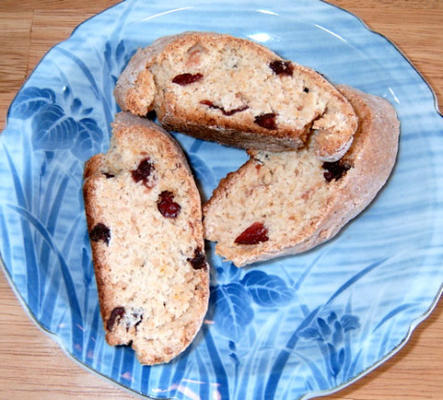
(266, 121)
(282, 67)
(256, 233)
(166, 205)
(199, 259)
(335, 170)
(143, 171)
(228, 113)
(116, 315)
(209, 103)
(100, 232)
(186, 79)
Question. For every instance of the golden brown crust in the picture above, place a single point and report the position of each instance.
(92, 166)
(337, 117)
(97, 250)
(372, 156)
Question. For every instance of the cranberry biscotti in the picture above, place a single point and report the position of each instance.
(144, 217)
(236, 92)
(287, 203)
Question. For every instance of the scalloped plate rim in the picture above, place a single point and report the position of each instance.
(413, 323)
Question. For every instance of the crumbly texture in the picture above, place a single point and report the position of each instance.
(236, 92)
(295, 197)
(152, 277)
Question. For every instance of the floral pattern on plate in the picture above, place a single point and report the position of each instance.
(287, 328)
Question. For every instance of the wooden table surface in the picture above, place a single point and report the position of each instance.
(32, 366)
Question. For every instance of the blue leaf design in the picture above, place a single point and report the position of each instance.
(90, 77)
(341, 357)
(320, 379)
(144, 381)
(30, 100)
(334, 359)
(232, 310)
(88, 140)
(349, 322)
(108, 53)
(87, 111)
(217, 363)
(92, 334)
(76, 104)
(337, 336)
(310, 333)
(267, 290)
(66, 92)
(52, 130)
(283, 357)
(324, 328)
(115, 368)
(49, 156)
(88, 269)
(120, 50)
(75, 310)
(356, 278)
(391, 314)
(332, 317)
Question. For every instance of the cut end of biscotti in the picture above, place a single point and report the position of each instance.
(287, 203)
(236, 92)
(144, 219)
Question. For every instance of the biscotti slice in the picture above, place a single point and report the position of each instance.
(287, 203)
(236, 92)
(144, 218)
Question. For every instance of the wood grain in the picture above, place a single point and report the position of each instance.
(32, 366)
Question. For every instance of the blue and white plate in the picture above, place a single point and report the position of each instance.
(286, 329)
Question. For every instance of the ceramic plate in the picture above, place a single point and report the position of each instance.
(287, 329)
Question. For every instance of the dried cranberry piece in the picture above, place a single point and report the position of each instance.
(100, 232)
(143, 171)
(186, 79)
(116, 315)
(282, 67)
(266, 121)
(335, 170)
(235, 110)
(256, 233)
(108, 176)
(166, 205)
(228, 113)
(199, 259)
